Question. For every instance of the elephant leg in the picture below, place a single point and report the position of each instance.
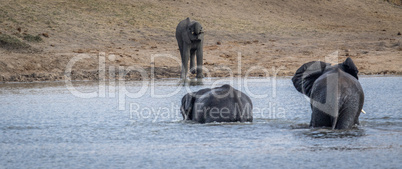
(199, 61)
(181, 52)
(320, 118)
(184, 60)
(192, 62)
(348, 117)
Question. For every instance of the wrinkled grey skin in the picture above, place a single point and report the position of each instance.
(190, 38)
(220, 104)
(336, 96)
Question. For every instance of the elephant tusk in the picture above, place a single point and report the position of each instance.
(363, 111)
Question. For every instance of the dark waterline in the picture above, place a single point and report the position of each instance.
(44, 125)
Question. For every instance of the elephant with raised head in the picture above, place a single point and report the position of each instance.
(190, 38)
(336, 96)
(220, 104)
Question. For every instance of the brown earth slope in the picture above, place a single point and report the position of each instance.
(39, 38)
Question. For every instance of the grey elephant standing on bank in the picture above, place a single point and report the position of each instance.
(336, 96)
(190, 38)
(220, 104)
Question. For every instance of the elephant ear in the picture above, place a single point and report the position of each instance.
(306, 75)
(187, 105)
(349, 67)
(187, 31)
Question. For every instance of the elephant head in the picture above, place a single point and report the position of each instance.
(349, 67)
(194, 31)
(196, 28)
(308, 73)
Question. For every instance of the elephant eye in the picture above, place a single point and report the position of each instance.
(192, 33)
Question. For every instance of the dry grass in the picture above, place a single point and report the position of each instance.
(267, 32)
(77, 22)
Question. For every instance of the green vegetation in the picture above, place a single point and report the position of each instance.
(9, 42)
(396, 2)
(31, 38)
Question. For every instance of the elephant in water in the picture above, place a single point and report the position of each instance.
(336, 96)
(190, 38)
(220, 104)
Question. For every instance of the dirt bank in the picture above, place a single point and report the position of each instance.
(38, 40)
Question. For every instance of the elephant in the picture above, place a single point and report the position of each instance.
(190, 38)
(336, 96)
(220, 104)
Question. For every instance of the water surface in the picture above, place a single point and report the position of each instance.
(46, 125)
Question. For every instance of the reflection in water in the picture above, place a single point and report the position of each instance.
(324, 133)
(191, 82)
(341, 148)
(300, 126)
(227, 123)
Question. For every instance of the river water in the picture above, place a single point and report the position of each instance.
(138, 125)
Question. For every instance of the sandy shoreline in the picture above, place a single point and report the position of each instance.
(258, 58)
